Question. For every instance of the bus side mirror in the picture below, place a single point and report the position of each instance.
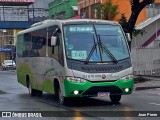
(128, 36)
(53, 41)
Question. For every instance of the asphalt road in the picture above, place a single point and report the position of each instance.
(15, 97)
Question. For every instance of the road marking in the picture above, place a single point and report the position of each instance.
(154, 103)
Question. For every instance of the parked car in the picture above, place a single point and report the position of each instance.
(8, 64)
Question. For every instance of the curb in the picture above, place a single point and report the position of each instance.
(141, 80)
(144, 88)
(151, 76)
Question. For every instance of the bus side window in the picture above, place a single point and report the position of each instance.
(60, 49)
(39, 43)
(52, 50)
(41, 47)
(26, 45)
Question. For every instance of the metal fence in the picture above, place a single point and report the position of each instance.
(23, 14)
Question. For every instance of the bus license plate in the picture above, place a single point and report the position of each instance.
(102, 94)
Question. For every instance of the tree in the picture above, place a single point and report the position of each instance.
(106, 11)
(136, 8)
(109, 11)
(123, 23)
(99, 10)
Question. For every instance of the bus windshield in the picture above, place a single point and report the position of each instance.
(95, 43)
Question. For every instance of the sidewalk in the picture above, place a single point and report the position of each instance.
(143, 82)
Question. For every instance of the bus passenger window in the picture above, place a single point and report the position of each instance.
(53, 52)
(38, 44)
(26, 45)
(41, 47)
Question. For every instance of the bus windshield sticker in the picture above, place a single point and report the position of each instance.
(79, 55)
(81, 29)
(95, 57)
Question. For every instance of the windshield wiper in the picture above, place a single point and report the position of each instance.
(91, 52)
(108, 53)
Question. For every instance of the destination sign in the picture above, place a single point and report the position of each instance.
(81, 29)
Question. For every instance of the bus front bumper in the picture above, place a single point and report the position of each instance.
(91, 89)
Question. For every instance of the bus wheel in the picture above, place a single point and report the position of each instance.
(115, 98)
(61, 98)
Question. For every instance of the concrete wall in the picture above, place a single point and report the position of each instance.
(146, 61)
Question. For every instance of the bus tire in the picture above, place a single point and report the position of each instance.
(56, 87)
(115, 98)
(62, 100)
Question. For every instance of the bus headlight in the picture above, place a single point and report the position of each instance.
(127, 77)
(75, 79)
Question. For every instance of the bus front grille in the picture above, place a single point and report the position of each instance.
(94, 90)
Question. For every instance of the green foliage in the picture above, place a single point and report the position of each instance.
(98, 8)
(123, 23)
(123, 20)
(107, 11)
(138, 31)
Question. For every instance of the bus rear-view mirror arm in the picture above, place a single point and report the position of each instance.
(128, 36)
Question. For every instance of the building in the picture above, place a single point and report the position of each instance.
(146, 49)
(63, 9)
(21, 11)
(5, 44)
(87, 9)
(35, 11)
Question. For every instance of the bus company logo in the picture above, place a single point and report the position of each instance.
(103, 76)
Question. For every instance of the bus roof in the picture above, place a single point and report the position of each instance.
(47, 23)
(88, 20)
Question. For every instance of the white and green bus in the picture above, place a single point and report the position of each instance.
(75, 58)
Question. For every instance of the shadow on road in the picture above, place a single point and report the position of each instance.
(72, 102)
